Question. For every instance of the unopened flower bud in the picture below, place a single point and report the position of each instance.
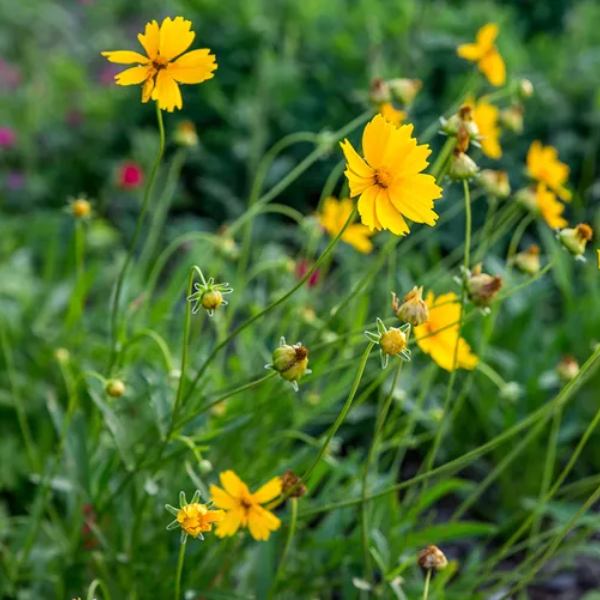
(462, 166)
(575, 239)
(526, 197)
(510, 391)
(115, 388)
(185, 134)
(462, 122)
(380, 91)
(211, 300)
(512, 118)
(80, 208)
(495, 183)
(568, 368)
(291, 362)
(62, 355)
(482, 288)
(405, 90)
(208, 295)
(432, 558)
(205, 466)
(393, 341)
(413, 309)
(526, 89)
(528, 261)
(292, 485)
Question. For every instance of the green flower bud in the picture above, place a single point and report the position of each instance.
(462, 166)
(115, 388)
(291, 362)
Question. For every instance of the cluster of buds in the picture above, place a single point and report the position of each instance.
(495, 183)
(432, 558)
(80, 207)
(462, 126)
(574, 239)
(528, 260)
(481, 287)
(392, 341)
(185, 134)
(208, 295)
(292, 486)
(413, 309)
(290, 361)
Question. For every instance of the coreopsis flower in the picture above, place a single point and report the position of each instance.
(485, 54)
(543, 166)
(528, 260)
(243, 507)
(439, 336)
(413, 309)
(388, 180)
(334, 215)
(392, 341)
(194, 518)
(391, 114)
(80, 207)
(575, 239)
(486, 117)
(495, 183)
(549, 207)
(432, 557)
(130, 175)
(166, 63)
(209, 295)
(291, 362)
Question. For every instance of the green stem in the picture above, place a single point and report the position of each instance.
(180, 562)
(78, 296)
(288, 545)
(442, 157)
(114, 334)
(426, 586)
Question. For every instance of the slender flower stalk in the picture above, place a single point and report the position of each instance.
(116, 298)
(288, 544)
(180, 561)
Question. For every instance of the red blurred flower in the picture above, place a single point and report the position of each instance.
(7, 137)
(303, 266)
(131, 175)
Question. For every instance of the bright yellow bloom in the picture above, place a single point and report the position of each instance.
(194, 518)
(439, 335)
(389, 179)
(391, 114)
(243, 508)
(333, 217)
(165, 64)
(486, 117)
(550, 207)
(543, 166)
(485, 54)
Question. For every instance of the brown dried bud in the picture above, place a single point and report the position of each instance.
(292, 485)
(482, 288)
(528, 261)
(380, 91)
(414, 309)
(568, 368)
(575, 239)
(432, 558)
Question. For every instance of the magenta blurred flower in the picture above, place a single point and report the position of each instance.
(130, 175)
(7, 137)
(303, 266)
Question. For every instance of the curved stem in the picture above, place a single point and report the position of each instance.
(180, 561)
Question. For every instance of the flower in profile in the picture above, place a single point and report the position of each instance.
(528, 260)
(80, 207)
(439, 336)
(291, 362)
(130, 175)
(486, 117)
(432, 557)
(413, 309)
(243, 508)
(543, 166)
(575, 239)
(391, 114)
(550, 207)
(333, 217)
(166, 63)
(392, 341)
(208, 295)
(482, 287)
(388, 180)
(194, 518)
(485, 54)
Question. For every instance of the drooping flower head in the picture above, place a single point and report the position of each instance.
(243, 508)
(439, 335)
(193, 517)
(486, 117)
(485, 54)
(389, 180)
(543, 166)
(165, 65)
(334, 215)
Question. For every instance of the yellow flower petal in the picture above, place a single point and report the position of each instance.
(221, 498)
(388, 215)
(261, 523)
(414, 197)
(233, 485)
(375, 140)
(486, 117)
(193, 67)
(470, 52)
(150, 39)
(133, 76)
(268, 491)
(360, 175)
(167, 92)
(550, 207)
(175, 37)
(366, 208)
(492, 66)
(230, 523)
(486, 36)
(357, 236)
(125, 57)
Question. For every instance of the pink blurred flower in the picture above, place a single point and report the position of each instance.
(15, 180)
(7, 137)
(130, 175)
(10, 77)
(303, 266)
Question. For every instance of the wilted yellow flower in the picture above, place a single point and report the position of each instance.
(333, 217)
(438, 336)
(485, 54)
(432, 557)
(575, 239)
(391, 114)
(413, 309)
(193, 517)
(550, 207)
(528, 261)
(389, 179)
(486, 117)
(243, 508)
(543, 166)
(165, 64)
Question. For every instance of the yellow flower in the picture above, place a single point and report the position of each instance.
(335, 213)
(165, 64)
(550, 207)
(543, 166)
(391, 114)
(485, 54)
(439, 335)
(193, 517)
(486, 117)
(389, 179)
(243, 508)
